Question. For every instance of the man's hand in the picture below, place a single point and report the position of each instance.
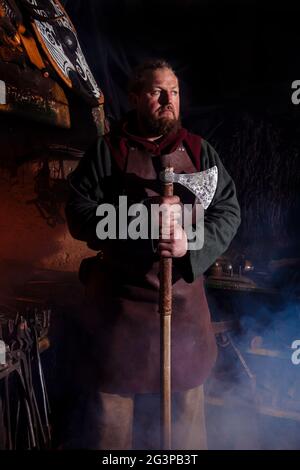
(173, 239)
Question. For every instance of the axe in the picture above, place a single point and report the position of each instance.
(203, 185)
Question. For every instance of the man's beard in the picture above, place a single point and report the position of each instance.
(153, 126)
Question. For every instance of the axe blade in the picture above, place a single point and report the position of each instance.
(202, 184)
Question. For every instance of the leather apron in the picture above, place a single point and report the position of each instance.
(122, 300)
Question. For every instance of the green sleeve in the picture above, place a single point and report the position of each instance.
(221, 220)
(90, 186)
(86, 193)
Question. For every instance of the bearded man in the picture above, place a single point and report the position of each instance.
(122, 283)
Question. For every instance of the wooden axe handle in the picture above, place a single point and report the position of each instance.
(165, 310)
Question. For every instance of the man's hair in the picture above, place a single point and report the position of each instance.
(137, 79)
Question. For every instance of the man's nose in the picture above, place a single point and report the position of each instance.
(165, 97)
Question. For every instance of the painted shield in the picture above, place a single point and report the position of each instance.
(57, 36)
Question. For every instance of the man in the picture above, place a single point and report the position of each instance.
(122, 284)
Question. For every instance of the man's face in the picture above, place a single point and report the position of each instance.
(157, 105)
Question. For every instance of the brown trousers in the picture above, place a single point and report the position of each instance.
(132, 421)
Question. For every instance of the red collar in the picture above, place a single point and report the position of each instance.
(166, 144)
(119, 142)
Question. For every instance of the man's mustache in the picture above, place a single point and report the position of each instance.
(166, 108)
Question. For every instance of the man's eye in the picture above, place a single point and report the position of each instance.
(155, 93)
(174, 92)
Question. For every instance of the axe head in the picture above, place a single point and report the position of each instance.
(202, 184)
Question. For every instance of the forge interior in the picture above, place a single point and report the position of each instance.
(237, 63)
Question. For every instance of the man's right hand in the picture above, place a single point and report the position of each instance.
(173, 239)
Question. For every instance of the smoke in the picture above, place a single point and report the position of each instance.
(253, 397)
